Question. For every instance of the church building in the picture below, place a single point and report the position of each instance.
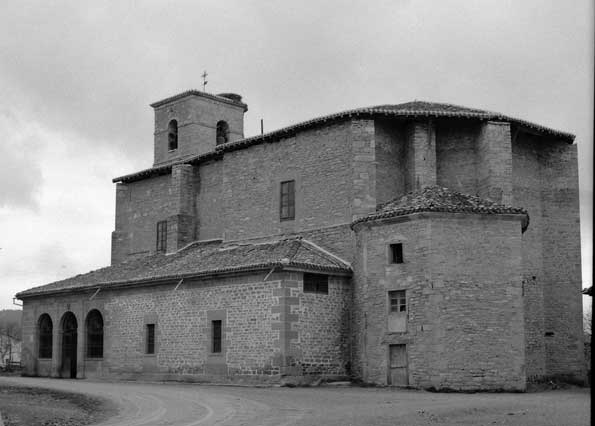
(417, 244)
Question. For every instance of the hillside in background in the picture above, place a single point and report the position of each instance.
(10, 322)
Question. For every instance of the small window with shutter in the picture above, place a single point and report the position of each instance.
(161, 236)
(287, 200)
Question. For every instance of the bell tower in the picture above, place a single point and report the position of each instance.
(194, 122)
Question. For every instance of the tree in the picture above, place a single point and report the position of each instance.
(9, 333)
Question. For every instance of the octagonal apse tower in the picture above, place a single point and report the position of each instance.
(449, 266)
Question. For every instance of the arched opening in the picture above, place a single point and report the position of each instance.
(94, 327)
(46, 329)
(222, 132)
(172, 135)
(69, 341)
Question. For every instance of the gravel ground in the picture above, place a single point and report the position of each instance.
(33, 406)
(158, 404)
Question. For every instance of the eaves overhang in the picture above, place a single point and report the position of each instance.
(421, 213)
(142, 282)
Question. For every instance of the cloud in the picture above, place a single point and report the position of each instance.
(48, 258)
(69, 233)
(77, 79)
(20, 171)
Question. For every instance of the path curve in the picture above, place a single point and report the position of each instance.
(179, 404)
(147, 404)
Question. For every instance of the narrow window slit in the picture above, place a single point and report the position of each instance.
(150, 339)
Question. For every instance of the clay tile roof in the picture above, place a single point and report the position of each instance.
(434, 108)
(203, 259)
(411, 109)
(438, 199)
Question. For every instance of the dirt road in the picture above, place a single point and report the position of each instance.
(146, 404)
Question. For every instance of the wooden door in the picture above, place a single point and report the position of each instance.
(398, 365)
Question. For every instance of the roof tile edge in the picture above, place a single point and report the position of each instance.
(163, 279)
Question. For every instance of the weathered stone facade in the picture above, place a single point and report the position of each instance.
(465, 323)
(487, 302)
(269, 326)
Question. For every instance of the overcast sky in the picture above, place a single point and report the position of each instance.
(77, 78)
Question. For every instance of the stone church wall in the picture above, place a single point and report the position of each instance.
(323, 329)
(391, 167)
(182, 320)
(527, 182)
(462, 278)
(269, 327)
(238, 197)
(456, 162)
(139, 206)
(562, 260)
(319, 160)
(545, 182)
(209, 200)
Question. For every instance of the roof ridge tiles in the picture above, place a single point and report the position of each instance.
(440, 199)
(309, 245)
(293, 248)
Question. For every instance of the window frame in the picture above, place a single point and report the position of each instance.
(399, 297)
(221, 130)
(45, 337)
(172, 135)
(94, 338)
(315, 283)
(161, 237)
(395, 253)
(287, 200)
(150, 339)
(217, 337)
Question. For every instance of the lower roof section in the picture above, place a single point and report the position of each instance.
(200, 260)
(438, 199)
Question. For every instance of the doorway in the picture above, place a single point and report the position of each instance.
(398, 365)
(69, 343)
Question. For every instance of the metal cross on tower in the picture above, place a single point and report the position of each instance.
(204, 80)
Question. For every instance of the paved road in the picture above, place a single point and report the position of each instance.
(146, 404)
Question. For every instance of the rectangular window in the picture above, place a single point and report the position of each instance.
(216, 330)
(162, 236)
(150, 338)
(398, 301)
(315, 283)
(396, 253)
(287, 200)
